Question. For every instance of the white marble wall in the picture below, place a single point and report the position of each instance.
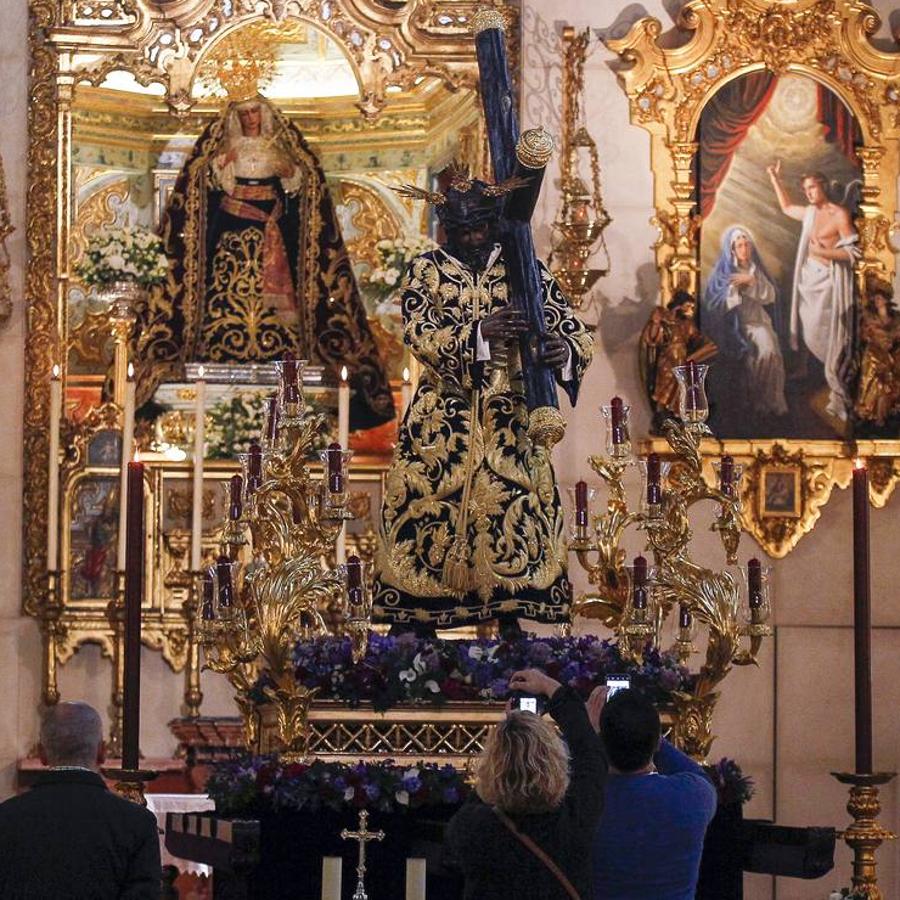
(788, 722)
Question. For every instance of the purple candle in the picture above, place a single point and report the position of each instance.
(272, 419)
(226, 588)
(354, 581)
(581, 503)
(654, 483)
(254, 468)
(754, 583)
(726, 476)
(639, 591)
(207, 606)
(289, 379)
(617, 420)
(335, 456)
(235, 498)
(684, 617)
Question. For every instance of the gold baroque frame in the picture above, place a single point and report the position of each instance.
(667, 89)
(162, 41)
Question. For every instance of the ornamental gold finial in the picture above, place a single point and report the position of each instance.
(488, 17)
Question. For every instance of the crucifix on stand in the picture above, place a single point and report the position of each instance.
(363, 836)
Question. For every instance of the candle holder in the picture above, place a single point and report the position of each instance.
(235, 532)
(52, 631)
(728, 475)
(280, 591)
(865, 835)
(358, 600)
(334, 494)
(618, 440)
(193, 695)
(711, 599)
(693, 405)
(639, 618)
(130, 783)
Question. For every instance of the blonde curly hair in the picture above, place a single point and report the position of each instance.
(524, 767)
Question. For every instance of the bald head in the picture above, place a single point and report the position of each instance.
(71, 735)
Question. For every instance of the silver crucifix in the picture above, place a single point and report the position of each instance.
(363, 836)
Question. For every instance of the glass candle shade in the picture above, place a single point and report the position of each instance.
(206, 592)
(253, 466)
(755, 584)
(225, 575)
(290, 388)
(654, 477)
(728, 476)
(357, 597)
(618, 440)
(235, 490)
(640, 609)
(582, 498)
(334, 482)
(272, 423)
(687, 625)
(693, 405)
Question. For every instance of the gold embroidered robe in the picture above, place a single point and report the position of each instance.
(464, 465)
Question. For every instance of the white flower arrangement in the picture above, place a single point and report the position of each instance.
(123, 254)
(393, 258)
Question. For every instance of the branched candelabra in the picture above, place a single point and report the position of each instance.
(266, 593)
(636, 600)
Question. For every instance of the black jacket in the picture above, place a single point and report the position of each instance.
(496, 865)
(69, 837)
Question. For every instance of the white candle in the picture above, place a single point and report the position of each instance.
(331, 877)
(53, 475)
(406, 393)
(340, 549)
(127, 452)
(199, 437)
(415, 879)
(344, 410)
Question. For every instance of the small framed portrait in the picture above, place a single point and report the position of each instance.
(779, 494)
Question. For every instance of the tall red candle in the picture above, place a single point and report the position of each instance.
(581, 503)
(226, 586)
(685, 619)
(134, 594)
(272, 419)
(862, 619)
(207, 598)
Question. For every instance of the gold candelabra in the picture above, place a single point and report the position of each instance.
(733, 604)
(266, 593)
(582, 217)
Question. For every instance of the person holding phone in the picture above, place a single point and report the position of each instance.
(658, 804)
(526, 833)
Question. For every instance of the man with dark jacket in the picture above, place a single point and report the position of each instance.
(70, 837)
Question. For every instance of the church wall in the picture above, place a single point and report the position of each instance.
(19, 642)
(789, 721)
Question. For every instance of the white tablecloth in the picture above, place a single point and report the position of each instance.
(159, 805)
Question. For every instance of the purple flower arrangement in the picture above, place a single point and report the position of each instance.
(731, 784)
(407, 669)
(257, 785)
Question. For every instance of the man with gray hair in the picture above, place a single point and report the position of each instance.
(70, 837)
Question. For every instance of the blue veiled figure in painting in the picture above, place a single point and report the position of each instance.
(740, 313)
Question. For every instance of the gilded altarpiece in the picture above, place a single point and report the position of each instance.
(754, 44)
(119, 93)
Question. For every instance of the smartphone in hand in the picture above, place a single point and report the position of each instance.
(617, 683)
(527, 703)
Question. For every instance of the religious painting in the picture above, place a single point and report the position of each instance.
(105, 448)
(778, 191)
(93, 535)
(780, 494)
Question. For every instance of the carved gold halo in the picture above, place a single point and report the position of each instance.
(667, 88)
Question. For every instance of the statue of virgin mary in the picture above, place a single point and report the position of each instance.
(258, 266)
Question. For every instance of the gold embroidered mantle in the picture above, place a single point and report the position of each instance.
(464, 466)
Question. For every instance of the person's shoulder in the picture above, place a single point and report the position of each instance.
(128, 811)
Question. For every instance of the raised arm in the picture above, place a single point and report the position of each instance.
(784, 201)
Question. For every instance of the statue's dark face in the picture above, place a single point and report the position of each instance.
(472, 244)
(250, 118)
